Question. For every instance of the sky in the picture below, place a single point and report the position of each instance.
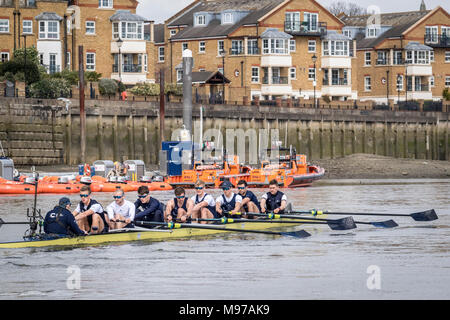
(160, 10)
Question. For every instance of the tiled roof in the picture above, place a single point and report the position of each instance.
(274, 33)
(49, 16)
(333, 35)
(126, 15)
(414, 45)
(386, 19)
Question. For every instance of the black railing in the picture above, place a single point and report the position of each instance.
(236, 51)
(437, 40)
(408, 106)
(253, 50)
(433, 106)
(382, 62)
(421, 87)
(305, 28)
(275, 80)
(131, 68)
(335, 82)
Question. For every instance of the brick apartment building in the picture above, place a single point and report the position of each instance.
(403, 55)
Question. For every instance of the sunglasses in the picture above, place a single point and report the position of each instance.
(181, 197)
(199, 188)
(241, 188)
(225, 189)
(117, 197)
(84, 195)
(143, 196)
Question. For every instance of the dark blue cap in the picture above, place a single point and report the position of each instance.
(63, 202)
(226, 184)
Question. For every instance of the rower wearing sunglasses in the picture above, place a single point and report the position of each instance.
(273, 201)
(204, 205)
(250, 202)
(89, 214)
(121, 212)
(177, 209)
(147, 207)
(229, 202)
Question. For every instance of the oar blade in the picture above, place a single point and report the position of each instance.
(346, 223)
(428, 215)
(385, 224)
(1, 222)
(297, 234)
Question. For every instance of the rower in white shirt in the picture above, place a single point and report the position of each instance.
(229, 202)
(204, 204)
(121, 212)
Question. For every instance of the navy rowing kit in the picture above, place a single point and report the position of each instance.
(153, 210)
(97, 208)
(211, 203)
(252, 198)
(61, 221)
(174, 212)
(228, 204)
(273, 201)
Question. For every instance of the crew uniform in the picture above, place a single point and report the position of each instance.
(274, 201)
(174, 212)
(61, 222)
(126, 210)
(252, 198)
(153, 210)
(228, 204)
(97, 208)
(211, 203)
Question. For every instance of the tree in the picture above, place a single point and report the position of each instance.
(348, 8)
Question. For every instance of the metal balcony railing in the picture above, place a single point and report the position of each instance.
(237, 51)
(130, 68)
(275, 80)
(437, 40)
(52, 68)
(335, 82)
(253, 50)
(305, 28)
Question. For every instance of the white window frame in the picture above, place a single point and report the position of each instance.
(398, 57)
(145, 57)
(179, 75)
(312, 44)
(173, 32)
(90, 30)
(292, 21)
(255, 74)
(400, 83)
(161, 54)
(200, 20)
(433, 31)
(431, 80)
(348, 33)
(4, 25)
(372, 32)
(129, 30)
(367, 84)
(447, 81)
(29, 27)
(227, 18)
(90, 66)
(293, 73)
(44, 32)
(68, 59)
(292, 45)
(312, 74)
(184, 46)
(220, 47)
(275, 46)
(308, 17)
(254, 43)
(431, 53)
(106, 4)
(202, 47)
(116, 33)
(4, 56)
(445, 31)
(447, 57)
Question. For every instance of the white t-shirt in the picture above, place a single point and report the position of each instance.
(208, 198)
(127, 210)
(220, 199)
(283, 198)
(97, 208)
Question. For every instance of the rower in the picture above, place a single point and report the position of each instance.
(249, 202)
(60, 222)
(229, 202)
(89, 214)
(121, 212)
(204, 204)
(177, 209)
(273, 201)
(147, 207)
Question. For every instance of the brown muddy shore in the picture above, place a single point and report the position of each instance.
(356, 166)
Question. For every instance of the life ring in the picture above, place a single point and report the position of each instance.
(87, 170)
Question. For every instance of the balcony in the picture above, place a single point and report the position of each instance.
(335, 82)
(276, 80)
(51, 69)
(304, 28)
(237, 51)
(382, 62)
(437, 40)
(127, 68)
(253, 50)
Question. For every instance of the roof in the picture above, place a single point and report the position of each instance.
(126, 15)
(414, 45)
(274, 33)
(333, 35)
(49, 16)
(211, 77)
(257, 9)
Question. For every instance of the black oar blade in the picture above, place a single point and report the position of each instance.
(1, 222)
(297, 234)
(288, 208)
(428, 215)
(385, 224)
(342, 224)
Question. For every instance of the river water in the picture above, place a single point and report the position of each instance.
(411, 261)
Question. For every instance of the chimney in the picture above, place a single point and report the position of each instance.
(152, 31)
(422, 6)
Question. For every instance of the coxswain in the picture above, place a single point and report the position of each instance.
(204, 204)
(147, 207)
(60, 222)
(273, 201)
(89, 214)
(250, 202)
(177, 208)
(229, 203)
(121, 212)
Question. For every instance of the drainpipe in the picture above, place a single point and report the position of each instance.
(65, 42)
(15, 34)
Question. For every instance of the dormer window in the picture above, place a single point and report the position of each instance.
(105, 4)
(227, 18)
(372, 32)
(200, 20)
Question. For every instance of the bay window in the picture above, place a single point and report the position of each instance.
(276, 46)
(48, 30)
(128, 30)
(335, 48)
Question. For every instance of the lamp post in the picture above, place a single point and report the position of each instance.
(314, 59)
(406, 82)
(223, 74)
(119, 45)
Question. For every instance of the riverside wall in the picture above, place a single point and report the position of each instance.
(43, 132)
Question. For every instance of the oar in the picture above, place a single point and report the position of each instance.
(428, 215)
(338, 224)
(2, 222)
(171, 225)
(348, 221)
